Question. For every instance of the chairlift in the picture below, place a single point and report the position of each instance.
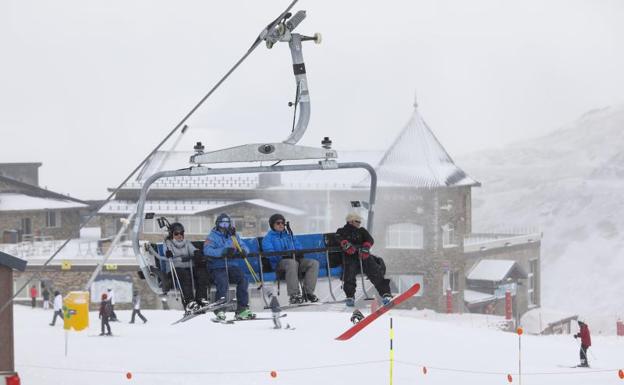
(322, 159)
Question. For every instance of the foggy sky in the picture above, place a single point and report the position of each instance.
(89, 87)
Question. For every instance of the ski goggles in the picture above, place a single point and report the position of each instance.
(224, 224)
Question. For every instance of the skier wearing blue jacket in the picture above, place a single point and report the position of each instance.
(218, 247)
(279, 238)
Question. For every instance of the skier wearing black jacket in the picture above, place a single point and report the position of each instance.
(356, 243)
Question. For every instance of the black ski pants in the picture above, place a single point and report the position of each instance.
(136, 312)
(583, 354)
(105, 324)
(58, 313)
(202, 278)
(186, 283)
(373, 271)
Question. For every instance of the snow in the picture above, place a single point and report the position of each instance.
(22, 202)
(202, 352)
(490, 270)
(537, 320)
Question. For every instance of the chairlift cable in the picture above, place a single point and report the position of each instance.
(260, 37)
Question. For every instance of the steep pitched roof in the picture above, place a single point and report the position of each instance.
(417, 159)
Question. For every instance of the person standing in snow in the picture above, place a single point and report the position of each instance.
(356, 243)
(111, 299)
(136, 307)
(585, 342)
(33, 296)
(58, 307)
(218, 247)
(280, 238)
(106, 310)
(276, 311)
(46, 298)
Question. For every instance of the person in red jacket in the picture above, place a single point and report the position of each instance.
(585, 342)
(33, 296)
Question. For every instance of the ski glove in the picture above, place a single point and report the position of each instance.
(365, 250)
(228, 252)
(347, 247)
(168, 254)
(232, 231)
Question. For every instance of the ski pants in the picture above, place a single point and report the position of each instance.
(308, 268)
(236, 276)
(46, 304)
(201, 282)
(186, 284)
(105, 323)
(57, 313)
(583, 354)
(373, 271)
(33, 302)
(136, 312)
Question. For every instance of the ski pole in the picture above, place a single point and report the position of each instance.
(249, 267)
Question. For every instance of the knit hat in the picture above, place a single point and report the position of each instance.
(353, 217)
(104, 296)
(274, 218)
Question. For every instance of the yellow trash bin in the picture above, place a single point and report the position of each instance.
(76, 310)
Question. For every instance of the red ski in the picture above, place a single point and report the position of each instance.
(376, 314)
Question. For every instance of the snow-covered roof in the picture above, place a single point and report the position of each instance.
(494, 270)
(472, 297)
(417, 159)
(23, 202)
(190, 207)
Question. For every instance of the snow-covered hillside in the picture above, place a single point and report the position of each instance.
(203, 352)
(570, 184)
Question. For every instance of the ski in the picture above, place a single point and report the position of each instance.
(298, 305)
(377, 313)
(231, 321)
(202, 310)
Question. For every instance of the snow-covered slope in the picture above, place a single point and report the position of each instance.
(569, 183)
(203, 352)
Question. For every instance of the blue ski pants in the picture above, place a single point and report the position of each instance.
(236, 277)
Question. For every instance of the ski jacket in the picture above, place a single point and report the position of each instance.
(584, 334)
(46, 295)
(58, 302)
(106, 309)
(182, 253)
(33, 292)
(279, 241)
(215, 247)
(356, 236)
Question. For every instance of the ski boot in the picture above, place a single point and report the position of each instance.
(220, 315)
(386, 299)
(350, 301)
(245, 314)
(312, 298)
(357, 316)
(295, 299)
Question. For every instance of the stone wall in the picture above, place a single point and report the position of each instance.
(68, 227)
(76, 278)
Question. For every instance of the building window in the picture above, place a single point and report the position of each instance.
(533, 266)
(25, 293)
(402, 282)
(448, 235)
(404, 236)
(450, 280)
(53, 219)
